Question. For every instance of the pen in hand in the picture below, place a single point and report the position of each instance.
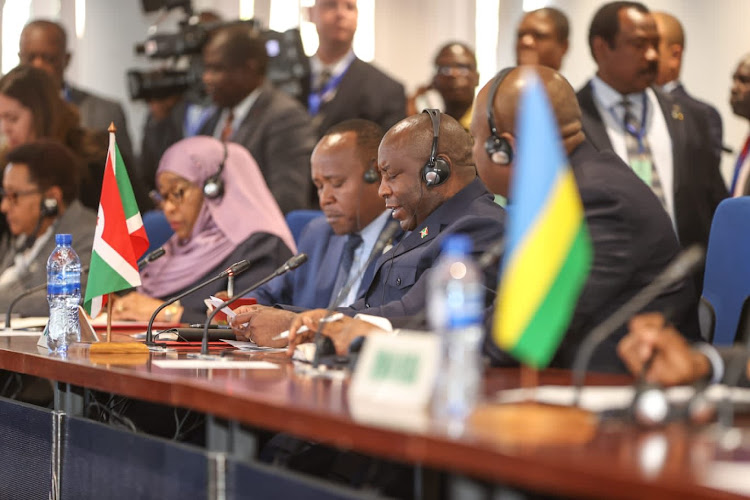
(328, 319)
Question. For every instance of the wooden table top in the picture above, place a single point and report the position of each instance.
(612, 459)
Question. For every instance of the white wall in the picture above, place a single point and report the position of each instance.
(408, 32)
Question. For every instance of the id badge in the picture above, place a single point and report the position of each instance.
(642, 167)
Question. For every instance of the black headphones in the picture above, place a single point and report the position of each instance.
(436, 170)
(213, 187)
(371, 174)
(498, 148)
(48, 208)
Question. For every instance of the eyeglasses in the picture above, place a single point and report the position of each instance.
(175, 197)
(460, 69)
(13, 196)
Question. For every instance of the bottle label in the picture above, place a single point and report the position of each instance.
(465, 306)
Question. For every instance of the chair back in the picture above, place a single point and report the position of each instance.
(298, 219)
(726, 283)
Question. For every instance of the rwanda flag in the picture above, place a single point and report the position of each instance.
(548, 253)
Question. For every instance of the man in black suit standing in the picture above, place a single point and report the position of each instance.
(343, 86)
(630, 233)
(662, 140)
(671, 48)
(44, 44)
(272, 125)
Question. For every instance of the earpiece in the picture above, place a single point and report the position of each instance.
(48, 208)
(498, 148)
(436, 170)
(213, 187)
(371, 174)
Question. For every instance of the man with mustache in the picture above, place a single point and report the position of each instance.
(666, 144)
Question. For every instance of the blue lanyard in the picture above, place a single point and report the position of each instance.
(638, 134)
(315, 99)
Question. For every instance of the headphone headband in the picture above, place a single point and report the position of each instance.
(498, 148)
(436, 170)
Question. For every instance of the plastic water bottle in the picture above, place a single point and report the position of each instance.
(455, 307)
(63, 295)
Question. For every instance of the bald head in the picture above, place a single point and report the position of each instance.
(671, 47)
(403, 153)
(505, 108)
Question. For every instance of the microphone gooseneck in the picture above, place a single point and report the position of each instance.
(236, 269)
(386, 235)
(293, 263)
(680, 267)
(148, 259)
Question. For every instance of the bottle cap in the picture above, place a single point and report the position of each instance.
(457, 244)
(63, 239)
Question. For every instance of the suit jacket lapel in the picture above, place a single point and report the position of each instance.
(329, 266)
(673, 116)
(593, 124)
(370, 271)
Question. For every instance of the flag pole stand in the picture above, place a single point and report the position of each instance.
(109, 317)
(115, 348)
(529, 422)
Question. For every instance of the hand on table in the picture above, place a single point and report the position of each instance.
(674, 361)
(139, 307)
(342, 332)
(260, 324)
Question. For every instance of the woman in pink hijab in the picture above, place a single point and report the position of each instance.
(242, 221)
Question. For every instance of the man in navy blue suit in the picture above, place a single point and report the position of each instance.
(427, 207)
(345, 175)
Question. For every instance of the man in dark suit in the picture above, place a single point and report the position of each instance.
(456, 203)
(542, 38)
(44, 44)
(740, 101)
(671, 49)
(345, 175)
(455, 81)
(662, 141)
(343, 86)
(270, 124)
(632, 236)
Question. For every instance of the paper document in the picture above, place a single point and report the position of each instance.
(243, 345)
(216, 302)
(604, 398)
(219, 364)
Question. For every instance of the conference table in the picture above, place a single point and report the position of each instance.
(614, 458)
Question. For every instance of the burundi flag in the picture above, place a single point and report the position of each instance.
(120, 238)
(548, 252)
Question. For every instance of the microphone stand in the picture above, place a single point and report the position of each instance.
(237, 268)
(324, 345)
(292, 263)
(685, 262)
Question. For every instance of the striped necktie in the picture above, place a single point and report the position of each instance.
(639, 151)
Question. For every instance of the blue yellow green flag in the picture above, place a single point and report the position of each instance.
(548, 253)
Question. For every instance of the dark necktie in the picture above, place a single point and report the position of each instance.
(325, 77)
(639, 152)
(226, 132)
(347, 259)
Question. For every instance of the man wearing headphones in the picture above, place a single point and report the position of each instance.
(338, 244)
(631, 234)
(430, 185)
(39, 200)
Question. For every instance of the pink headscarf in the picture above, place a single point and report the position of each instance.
(247, 207)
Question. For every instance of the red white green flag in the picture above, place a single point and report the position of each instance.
(120, 238)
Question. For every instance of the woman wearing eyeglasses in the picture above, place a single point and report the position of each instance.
(39, 199)
(214, 228)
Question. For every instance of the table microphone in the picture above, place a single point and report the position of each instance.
(681, 266)
(293, 263)
(236, 268)
(148, 259)
(26, 293)
(323, 344)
